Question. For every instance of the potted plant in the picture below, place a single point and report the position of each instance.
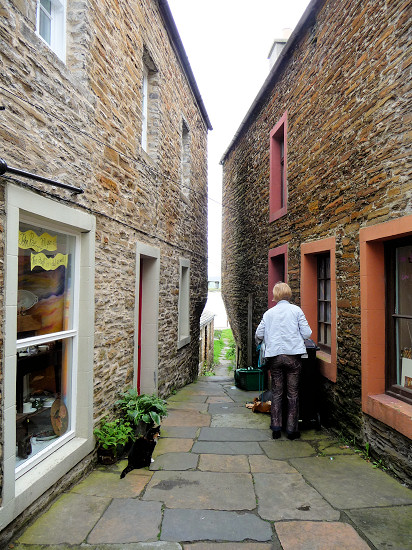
(112, 437)
(143, 410)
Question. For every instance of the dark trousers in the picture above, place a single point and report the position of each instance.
(285, 368)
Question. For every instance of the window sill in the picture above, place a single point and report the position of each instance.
(36, 481)
(327, 367)
(390, 411)
(183, 342)
(273, 216)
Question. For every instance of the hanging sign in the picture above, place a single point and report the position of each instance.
(48, 263)
(29, 239)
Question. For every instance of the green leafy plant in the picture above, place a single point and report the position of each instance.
(146, 408)
(113, 434)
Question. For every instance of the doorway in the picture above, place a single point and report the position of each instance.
(146, 318)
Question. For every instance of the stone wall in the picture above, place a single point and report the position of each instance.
(80, 123)
(344, 87)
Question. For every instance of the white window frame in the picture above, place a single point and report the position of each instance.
(68, 335)
(19, 493)
(58, 27)
(145, 106)
(184, 303)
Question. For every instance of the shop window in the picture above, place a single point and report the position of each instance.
(385, 251)
(45, 334)
(278, 170)
(277, 269)
(184, 304)
(318, 299)
(398, 277)
(51, 25)
(48, 345)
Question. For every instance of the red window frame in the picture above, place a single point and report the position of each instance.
(278, 170)
(277, 269)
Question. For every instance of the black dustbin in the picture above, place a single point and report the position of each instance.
(309, 389)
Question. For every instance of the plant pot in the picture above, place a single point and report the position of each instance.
(110, 455)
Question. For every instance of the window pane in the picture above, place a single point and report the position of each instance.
(404, 352)
(46, 5)
(45, 293)
(321, 311)
(43, 397)
(327, 289)
(328, 335)
(404, 280)
(45, 20)
(321, 290)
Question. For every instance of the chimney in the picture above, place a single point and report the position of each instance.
(277, 46)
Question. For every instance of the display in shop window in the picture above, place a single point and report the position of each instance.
(44, 308)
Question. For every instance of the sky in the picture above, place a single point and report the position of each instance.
(228, 43)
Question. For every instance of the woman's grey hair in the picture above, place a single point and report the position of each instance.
(281, 291)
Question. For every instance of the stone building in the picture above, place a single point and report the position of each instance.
(206, 340)
(317, 192)
(104, 280)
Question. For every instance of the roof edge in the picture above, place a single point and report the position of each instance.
(305, 21)
(180, 50)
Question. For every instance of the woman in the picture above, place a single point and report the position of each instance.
(284, 328)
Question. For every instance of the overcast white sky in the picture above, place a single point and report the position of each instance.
(227, 43)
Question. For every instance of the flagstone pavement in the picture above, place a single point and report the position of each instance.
(219, 482)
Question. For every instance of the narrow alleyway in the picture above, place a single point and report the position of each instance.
(220, 482)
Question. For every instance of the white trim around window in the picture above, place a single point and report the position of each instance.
(19, 493)
(51, 25)
(184, 303)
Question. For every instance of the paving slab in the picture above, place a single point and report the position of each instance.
(223, 463)
(172, 445)
(228, 448)
(333, 448)
(233, 434)
(385, 527)
(158, 545)
(250, 420)
(228, 546)
(128, 520)
(229, 408)
(240, 395)
(195, 525)
(288, 497)
(309, 535)
(208, 490)
(186, 418)
(175, 461)
(180, 432)
(261, 464)
(219, 399)
(105, 484)
(187, 406)
(69, 520)
(283, 449)
(185, 398)
(350, 482)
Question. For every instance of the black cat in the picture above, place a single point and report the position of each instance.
(140, 454)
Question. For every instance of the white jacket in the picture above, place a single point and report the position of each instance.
(283, 328)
